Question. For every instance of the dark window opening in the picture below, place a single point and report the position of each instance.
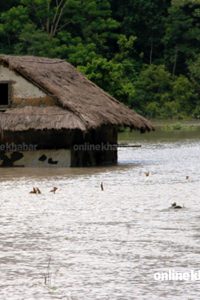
(4, 93)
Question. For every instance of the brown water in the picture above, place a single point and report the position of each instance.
(104, 244)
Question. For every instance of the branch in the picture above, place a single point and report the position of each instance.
(63, 26)
(48, 20)
(59, 17)
(57, 13)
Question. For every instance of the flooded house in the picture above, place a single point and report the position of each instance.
(52, 115)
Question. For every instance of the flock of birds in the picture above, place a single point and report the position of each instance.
(36, 190)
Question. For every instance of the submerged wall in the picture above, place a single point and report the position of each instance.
(35, 148)
(39, 158)
(95, 148)
(59, 148)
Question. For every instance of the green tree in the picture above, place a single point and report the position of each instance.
(182, 37)
(152, 86)
(5, 5)
(194, 74)
(184, 94)
(144, 19)
(35, 21)
(110, 75)
(194, 71)
(160, 94)
(143, 52)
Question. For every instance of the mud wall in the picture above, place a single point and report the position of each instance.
(95, 148)
(22, 91)
(59, 148)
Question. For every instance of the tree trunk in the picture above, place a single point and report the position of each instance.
(175, 61)
(151, 53)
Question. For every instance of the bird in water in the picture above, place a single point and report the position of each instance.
(54, 190)
(34, 191)
(38, 190)
(102, 187)
(175, 206)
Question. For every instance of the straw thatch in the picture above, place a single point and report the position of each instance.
(83, 105)
(39, 118)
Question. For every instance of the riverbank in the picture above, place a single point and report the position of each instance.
(165, 130)
(171, 125)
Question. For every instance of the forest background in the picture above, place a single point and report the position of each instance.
(146, 53)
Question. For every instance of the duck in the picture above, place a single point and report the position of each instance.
(34, 191)
(38, 190)
(54, 190)
(175, 206)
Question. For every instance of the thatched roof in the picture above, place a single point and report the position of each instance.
(83, 105)
(33, 117)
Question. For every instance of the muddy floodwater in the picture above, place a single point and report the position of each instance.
(82, 243)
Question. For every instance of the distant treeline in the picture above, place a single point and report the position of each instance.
(146, 53)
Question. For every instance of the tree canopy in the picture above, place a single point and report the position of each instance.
(143, 52)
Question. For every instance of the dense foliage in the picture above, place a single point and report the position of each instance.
(144, 52)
